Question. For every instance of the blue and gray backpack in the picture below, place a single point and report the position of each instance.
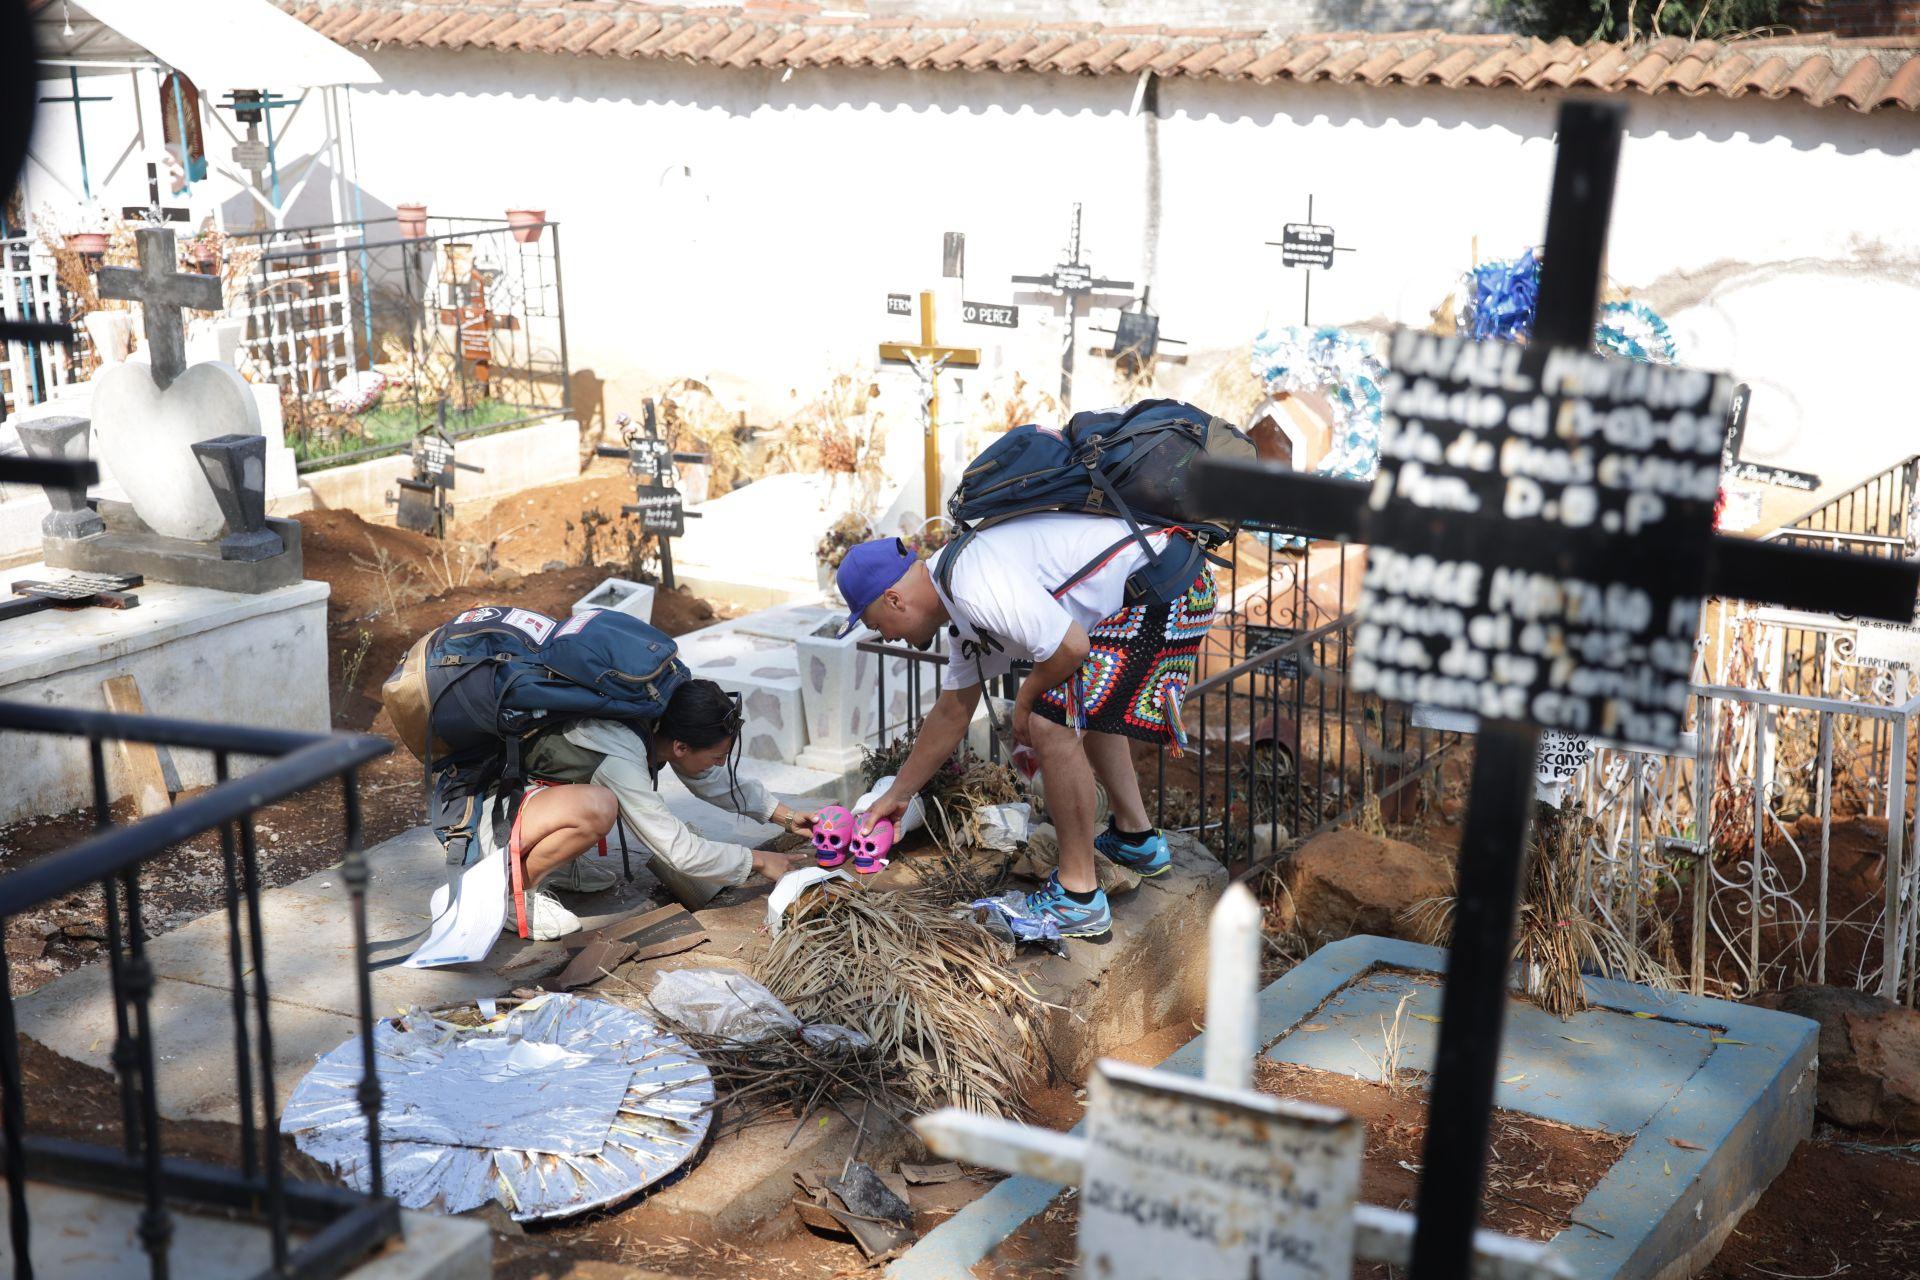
(469, 694)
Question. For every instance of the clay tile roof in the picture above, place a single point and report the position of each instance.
(1818, 70)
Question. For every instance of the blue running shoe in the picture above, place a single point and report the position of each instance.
(1075, 920)
(1146, 857)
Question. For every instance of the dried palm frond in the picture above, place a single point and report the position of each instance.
(930, 986)
(1560, 937)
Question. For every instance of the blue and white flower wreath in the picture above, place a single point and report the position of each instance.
(1348, 368)
(1497, 300)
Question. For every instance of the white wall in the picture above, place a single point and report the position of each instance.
(744, 227)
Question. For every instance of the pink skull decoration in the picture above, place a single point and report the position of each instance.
(870, 850)
(833, 828)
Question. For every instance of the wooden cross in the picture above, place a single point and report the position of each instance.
(1072, 280)
(1540, 514)
(928, 358)
(79, 126)
(162, 290)
(1314, 1228)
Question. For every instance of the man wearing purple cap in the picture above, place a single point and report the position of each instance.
(1050, 589)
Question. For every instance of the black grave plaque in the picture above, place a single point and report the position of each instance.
(1306, 244)
(661, 511)
(899, 304)
(650, 456)
(1542, 521)
(1261, 637)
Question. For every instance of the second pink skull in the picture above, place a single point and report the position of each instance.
(870, 850)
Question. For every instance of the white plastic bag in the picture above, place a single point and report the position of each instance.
(915, 815)
(721, 1002)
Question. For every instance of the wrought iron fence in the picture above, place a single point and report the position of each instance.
(338, 1226)
(462, 318)
(1276, 739)
(1737, 830)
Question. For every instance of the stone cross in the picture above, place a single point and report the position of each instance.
(162, 290)
(928, 358)
(1206, 1178)
(1541, 544)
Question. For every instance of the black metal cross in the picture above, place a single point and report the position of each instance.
(154, 212)
(1506, 560)
(1761, 473)
(163, 291)
(1072, 280)
(79, 126)
(1310, 246)
(656, 494)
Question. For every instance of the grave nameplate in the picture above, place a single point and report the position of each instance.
(1261, 637)
(1542, 522)
(661, 511)
(1886, 644)
(899, 304)
(990, 313)
(1183, 1178)
(650, 456)
(1306, 244)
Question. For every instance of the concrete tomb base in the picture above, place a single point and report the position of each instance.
(129, 546)
(1715, 1096)
(197, 654)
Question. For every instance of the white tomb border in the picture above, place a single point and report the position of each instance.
(1307, 1140)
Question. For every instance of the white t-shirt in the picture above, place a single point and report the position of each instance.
(1004, 580)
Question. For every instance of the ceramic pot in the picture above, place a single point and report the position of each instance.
(91, 243)
(413, 220)
(527, 224)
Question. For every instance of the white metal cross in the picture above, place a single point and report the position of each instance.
(1232, 1044)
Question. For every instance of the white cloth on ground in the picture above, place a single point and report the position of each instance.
(1003, 583)
(624, 772)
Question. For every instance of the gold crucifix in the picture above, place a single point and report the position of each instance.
(928, 358)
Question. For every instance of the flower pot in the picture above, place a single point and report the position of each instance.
(527, 224)
(203, 256)
(413, 220)
(91, 243)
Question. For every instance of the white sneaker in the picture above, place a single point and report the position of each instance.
(581, 876)
(546, 918)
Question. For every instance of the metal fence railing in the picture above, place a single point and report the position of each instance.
(1279, 747)
(463, 317)
(315, 1231)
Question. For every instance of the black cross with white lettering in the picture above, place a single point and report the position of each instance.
(1072, 280)
(163, 291)
(1540, 544)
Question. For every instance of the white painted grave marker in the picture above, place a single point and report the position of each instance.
(1207, 1179)
(1185, 1178)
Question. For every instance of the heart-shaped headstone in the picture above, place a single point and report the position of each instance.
(147, 437)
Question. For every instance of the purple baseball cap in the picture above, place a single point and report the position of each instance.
(867, 572)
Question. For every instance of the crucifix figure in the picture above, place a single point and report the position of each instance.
(162, 290)
(1541, 543)
(1072, 280)
(928, 358)
(79, 126)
